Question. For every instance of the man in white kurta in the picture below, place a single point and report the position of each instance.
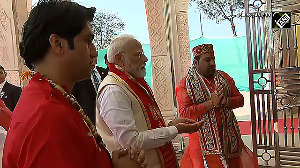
(127, 114)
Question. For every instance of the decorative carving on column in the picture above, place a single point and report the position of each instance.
(176, 14)
(161, 63)
(183, 36)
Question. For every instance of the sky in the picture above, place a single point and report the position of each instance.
(133, 13)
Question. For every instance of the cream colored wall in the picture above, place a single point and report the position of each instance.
(13, 14)
(8, 43)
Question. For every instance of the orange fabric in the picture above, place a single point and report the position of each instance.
(247, 160)
(186, 160)
(213, 161)
(5, 115)
(192, 157)
(195, 151)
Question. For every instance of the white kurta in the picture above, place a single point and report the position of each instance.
(121, 122)
(115, 109)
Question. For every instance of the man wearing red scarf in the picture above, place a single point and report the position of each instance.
(127, 113)
(210, 95)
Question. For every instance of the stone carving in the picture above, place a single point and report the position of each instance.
(184, 41)
(182, 5)
(156, 27)
(160, 81)
(3, 25)
(7, 46)
(161, 66)
(3, 53)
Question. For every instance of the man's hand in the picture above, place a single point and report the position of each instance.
(226, 102)
(185, 125)
(183, 120)
(217, 96)
(128, 158)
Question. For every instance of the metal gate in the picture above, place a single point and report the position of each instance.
(274, 83)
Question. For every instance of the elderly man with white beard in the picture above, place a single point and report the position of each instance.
(127, 113)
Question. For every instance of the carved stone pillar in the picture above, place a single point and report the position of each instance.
(13, 14)
(161, 62)
(8, 43)
(169, 41)
(182, 59)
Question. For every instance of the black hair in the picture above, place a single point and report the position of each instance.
(197, 58)
(64, 18)
(1, 67)
(105, 57)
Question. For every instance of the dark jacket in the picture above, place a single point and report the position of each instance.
(102, 71)
(10, 95)
(85, 94)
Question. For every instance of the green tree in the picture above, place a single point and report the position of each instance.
(106, 26)
(221, 10)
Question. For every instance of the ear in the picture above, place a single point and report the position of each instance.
(119, 59)
(195, 62)
(57, 44)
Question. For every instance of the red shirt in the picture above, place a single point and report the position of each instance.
(5, 115)
(47, 132)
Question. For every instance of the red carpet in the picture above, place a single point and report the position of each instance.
(245, 126)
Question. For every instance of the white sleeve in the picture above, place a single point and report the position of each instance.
(115, 109)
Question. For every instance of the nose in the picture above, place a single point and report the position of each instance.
(212, 62)
(145, 59)
(93, 51)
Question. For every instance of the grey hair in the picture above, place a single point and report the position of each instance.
(116, 46)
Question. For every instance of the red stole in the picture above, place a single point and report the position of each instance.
(151, 111)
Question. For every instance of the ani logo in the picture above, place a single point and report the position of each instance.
(281, 20)
(3, 95)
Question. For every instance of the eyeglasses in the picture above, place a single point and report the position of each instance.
(139, 54)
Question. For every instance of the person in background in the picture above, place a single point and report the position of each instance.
(49, 129)
(9, 93)
(127, 113)
(85, 91)
(210, 95)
